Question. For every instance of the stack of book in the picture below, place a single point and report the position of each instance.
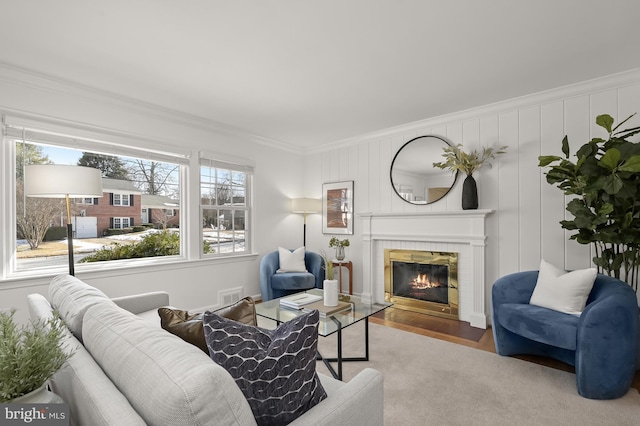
(326, 311)
(308, 302)
(299, 300)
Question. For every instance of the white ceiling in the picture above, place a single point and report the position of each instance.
(305, 72)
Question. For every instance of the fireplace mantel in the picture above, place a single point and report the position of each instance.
(462, 231)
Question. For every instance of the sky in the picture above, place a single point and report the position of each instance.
(62, 155)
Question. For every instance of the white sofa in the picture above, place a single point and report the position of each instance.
(127, 370)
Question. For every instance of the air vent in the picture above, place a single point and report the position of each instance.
(229, 297)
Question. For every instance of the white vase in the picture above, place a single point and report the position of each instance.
(330, 288)
(39, 396)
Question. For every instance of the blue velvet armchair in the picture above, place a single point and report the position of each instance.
(602, 343)
(274, 285)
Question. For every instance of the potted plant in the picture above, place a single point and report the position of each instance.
(29, 356)
(339, 245)
(455, 159)
(604, 183)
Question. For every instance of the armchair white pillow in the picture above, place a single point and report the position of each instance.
(291, 261)
(563, 291)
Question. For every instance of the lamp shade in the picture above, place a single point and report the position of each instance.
(306, 205)
(58, 181)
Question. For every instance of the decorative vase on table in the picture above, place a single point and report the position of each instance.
(340, 253)
(330, 288)
(469, 194)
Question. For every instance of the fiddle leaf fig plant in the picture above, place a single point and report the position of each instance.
(605, 182)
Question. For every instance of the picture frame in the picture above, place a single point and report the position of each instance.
(337, 207)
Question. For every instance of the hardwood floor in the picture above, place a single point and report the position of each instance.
(458, 332)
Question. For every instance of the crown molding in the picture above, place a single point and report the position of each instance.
(36, 80)
(612, 81)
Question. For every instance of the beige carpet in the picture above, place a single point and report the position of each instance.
(433, 382)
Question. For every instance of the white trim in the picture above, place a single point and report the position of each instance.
(461, 231)
(613, 81)
(82, 136)
(117, 268)
(229, 160)
(25, 77)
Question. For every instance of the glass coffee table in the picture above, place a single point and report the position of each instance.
(328, 325)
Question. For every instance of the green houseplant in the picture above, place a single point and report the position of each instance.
(29, 355)
(455, 159)
(339, 245)
(605, 184)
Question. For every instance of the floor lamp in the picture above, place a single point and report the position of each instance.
(305, 206)
(63, 181)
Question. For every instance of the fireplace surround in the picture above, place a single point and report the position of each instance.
(461, 231)
(422, 281)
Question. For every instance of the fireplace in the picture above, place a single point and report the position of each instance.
(422, 281)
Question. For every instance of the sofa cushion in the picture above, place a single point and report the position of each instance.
(71, 298)
(166, 380)
(563, 291)
(540, 324)
(93, 399)
(275, 369)
(293, 281)
(189, 326)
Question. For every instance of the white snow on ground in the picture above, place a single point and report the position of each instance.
(82, 245)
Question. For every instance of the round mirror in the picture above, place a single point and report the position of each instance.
(413, 176)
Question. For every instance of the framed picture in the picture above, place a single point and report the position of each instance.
(337, 207)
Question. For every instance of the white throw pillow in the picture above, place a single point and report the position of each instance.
(563, 291)
(292, 261)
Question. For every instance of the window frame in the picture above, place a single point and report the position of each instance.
(70, 137)
(121, 222)
(103, 140)
(233, 165)
(121, 198)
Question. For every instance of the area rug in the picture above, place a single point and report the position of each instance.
(433, 382)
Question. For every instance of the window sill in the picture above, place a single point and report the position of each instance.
(118, 268)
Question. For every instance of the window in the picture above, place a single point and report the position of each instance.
(121, 199)
(40, 223)
(121, 222)
(225, 202)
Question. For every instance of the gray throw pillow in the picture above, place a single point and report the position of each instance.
(275, 369)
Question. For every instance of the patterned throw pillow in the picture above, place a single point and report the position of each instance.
(275, 369)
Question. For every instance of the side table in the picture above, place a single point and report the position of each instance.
(349, 266)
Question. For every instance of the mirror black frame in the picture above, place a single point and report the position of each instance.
(395, 157)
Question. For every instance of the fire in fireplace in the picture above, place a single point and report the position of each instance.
(422, 281)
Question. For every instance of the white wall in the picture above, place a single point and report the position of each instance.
(525, 226)
(191, 284)
(523, 229)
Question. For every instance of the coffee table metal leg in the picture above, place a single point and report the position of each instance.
(340, 354)
(366, 339)
(327, 361)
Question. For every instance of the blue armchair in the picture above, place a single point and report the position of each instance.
(602, 343)
(274, 285)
